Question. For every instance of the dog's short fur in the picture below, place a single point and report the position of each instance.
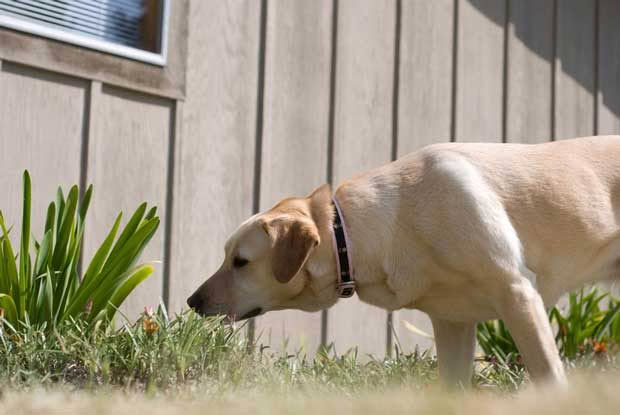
(463, 232)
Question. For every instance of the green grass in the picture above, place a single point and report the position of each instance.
(190, 365)
(157, 354)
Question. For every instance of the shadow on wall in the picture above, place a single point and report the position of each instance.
(575, 33)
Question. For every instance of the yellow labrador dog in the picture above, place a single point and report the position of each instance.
(463, 232)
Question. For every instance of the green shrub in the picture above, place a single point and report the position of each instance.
(584, 328)
(46, 290)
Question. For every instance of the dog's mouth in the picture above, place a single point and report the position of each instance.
(252, 313)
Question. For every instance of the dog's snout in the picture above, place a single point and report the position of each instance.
(195, 302)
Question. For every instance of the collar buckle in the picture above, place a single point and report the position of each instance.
(346, 289)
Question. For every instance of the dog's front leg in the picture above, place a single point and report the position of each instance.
(523, 311)
(455, 343)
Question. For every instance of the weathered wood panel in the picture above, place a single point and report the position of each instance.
(425, 93)
(480, 57)
(424, 109)
(294, 151)
(213, 186)
(574, 77)
(362, 140)
(41, 129)
(529, 82)
(127, 164)
(609, 67)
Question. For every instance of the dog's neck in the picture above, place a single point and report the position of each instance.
(321, 265)
(321, 268)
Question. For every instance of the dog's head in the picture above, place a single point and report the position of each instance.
(266, 262)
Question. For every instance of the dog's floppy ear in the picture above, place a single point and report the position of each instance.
(293, 240)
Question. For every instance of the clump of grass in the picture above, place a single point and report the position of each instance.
(155, 351)
(159, 353)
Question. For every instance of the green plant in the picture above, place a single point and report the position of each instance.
(586, 324)
(46, 290)
(495, 341)
(584, 327)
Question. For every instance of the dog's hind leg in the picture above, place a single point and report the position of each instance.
(523, 311)
(455, 343)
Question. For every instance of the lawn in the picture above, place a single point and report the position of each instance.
(587, 395)
(187, 364)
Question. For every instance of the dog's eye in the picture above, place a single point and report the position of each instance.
(239, 262)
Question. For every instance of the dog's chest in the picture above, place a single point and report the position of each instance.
(458, 303)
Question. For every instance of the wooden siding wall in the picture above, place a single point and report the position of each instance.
(283, 96)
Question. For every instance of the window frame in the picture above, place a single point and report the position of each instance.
(33, 28)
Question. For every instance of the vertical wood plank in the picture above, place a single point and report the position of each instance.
(128, 158)
(609, 67)
(530, 56)
(174, 161)
(362, 140)
(425, 74)
(41, 129)
(294, 153)
(574, 77)
(479, 97)
(213, 182)
(425, 106)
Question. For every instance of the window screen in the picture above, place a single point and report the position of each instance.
(115, 26)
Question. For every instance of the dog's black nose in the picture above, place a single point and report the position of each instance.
(195, 302)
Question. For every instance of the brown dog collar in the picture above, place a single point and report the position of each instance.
(342, 247)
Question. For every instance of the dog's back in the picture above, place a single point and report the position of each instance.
(562, 199)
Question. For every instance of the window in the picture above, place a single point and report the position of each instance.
(135, 29)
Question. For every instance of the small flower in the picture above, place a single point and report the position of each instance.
(599, 347)
(148, 323)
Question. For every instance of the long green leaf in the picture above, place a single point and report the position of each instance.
(127, 233)
(50, 217)
(66, 226)
(60, 209)
(104, 281)
(126, 256)
(97, 296)
(10, 310)
(151, 213)
(102, 253)
(43, 254)
(10, 266)
(49, 297)
(610, 316)
(66, 292)
(85, 203)
(126, 288)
